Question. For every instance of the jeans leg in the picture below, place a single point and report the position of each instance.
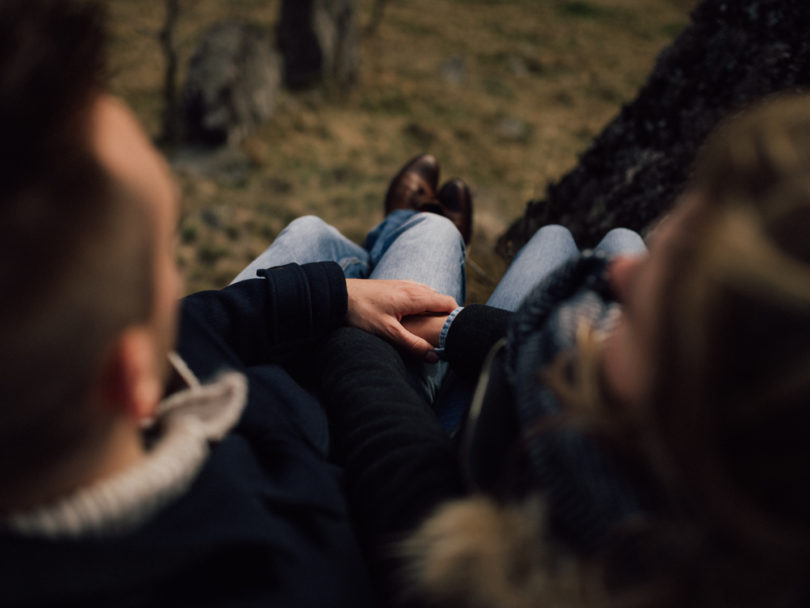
(621, 241)
(422, 247)
(310, 239)
(426, 248)
(549, 247)
(546, 250)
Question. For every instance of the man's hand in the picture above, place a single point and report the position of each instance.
(378, 307)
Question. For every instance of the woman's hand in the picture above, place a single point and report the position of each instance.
(427, 326)
(379, 306)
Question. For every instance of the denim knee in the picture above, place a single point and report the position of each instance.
(553, 239)
(307, 224)
(555, 230)
(621, 241)
(437, 225)
(311, 230)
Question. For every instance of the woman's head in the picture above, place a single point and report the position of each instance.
(719, 320)
(716, 334)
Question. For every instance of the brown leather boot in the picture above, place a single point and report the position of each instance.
(456, 201)
(414, 185)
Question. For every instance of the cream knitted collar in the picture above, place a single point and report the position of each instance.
(187, 421)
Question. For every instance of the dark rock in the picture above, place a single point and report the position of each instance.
(318, 41)
(733, 53)
(233, 79)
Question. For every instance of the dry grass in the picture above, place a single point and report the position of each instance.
(505, 93)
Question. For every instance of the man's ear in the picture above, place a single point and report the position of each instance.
(130, 381)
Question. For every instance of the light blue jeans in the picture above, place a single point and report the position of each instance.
(428, 248)
(422, 247)
(548, 248)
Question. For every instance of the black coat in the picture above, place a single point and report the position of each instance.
(265, 523)
(402, 467)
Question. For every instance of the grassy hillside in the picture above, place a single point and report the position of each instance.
(505, 93)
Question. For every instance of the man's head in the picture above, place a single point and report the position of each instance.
(87, 212)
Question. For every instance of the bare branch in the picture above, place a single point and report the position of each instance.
(170, 134)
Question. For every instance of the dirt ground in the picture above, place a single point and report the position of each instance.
(506, 93)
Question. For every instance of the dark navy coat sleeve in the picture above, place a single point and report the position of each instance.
(266, 521)
(275, 317)
(399, 462)
(472, 334)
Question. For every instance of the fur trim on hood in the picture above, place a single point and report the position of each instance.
(476, 553)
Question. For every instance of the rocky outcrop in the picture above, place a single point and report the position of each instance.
(733, 52)
(233, 79)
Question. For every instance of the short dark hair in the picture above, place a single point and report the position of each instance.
(75, 249)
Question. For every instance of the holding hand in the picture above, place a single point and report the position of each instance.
(378, 307)
(428, 326)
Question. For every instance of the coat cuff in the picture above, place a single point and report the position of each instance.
(470, 337)
(311, 299)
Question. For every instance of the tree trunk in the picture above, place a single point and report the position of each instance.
(733, 53)
(318, 40)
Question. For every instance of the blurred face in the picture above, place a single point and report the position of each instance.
(638, 283)
(126, 152)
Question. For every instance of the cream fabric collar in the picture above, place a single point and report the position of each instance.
(187, 421)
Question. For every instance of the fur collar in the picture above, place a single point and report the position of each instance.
(475, 552)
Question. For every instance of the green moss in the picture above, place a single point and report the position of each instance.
(208, 255)
(498, 87)
(232, 232)
(672, 30)
(389, 102)
(188, 234)
(581, 10)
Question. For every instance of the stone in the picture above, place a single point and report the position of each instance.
(233, 80)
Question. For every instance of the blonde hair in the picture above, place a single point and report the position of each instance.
(722, 437)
